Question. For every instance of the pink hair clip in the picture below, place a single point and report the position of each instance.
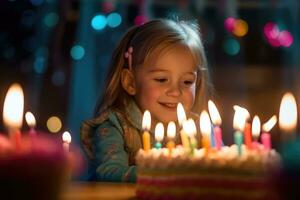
(128, 55)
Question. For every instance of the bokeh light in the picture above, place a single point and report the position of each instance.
(58, 78)
(77, 52)
(37, 2)
(229, 24)
(275, 37)
(28, 18)
(54, 124)
(51, 19)
(240, 28)
(285, 38)
(140, 19)
(39, 65)
(231, 47)
(107, 6)
(99, 22)
(114, 20)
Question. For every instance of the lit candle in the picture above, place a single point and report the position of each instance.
(146, 124)
(30, 119)
(247, 127)
(66, 137)
(171, 133)
(13, 113)
(216, 119)
(288, 116)
(265, 136)
(205, 128)
(255, 131)
(159, 134)
(190, 129)
(239, 120)
(182, 118)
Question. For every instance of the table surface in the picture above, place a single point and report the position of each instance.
(99, 190)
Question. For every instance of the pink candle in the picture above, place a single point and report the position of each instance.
(265, 136)
(266, 141)
(218, 137)
(216, 119)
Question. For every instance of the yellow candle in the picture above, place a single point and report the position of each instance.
(146, 124)
(205, 127)
(181, 119)
(171, 133)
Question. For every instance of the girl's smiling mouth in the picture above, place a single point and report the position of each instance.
(169, 105)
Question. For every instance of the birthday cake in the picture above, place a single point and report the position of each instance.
(222, 174)
(37, 169)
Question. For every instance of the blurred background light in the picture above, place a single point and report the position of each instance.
(285, 38)
(229, 24)
(240, 28)
(54, 124)
(39, 65)
(231, 47)
(77, 52)
(51, 19)
(114, 20)
(37, 2)
(140, 19)
(99, 22)
(58, 78)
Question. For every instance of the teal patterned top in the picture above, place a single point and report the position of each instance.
(111, 142)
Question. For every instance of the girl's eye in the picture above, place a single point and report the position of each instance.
(188, 82)
(161, 80)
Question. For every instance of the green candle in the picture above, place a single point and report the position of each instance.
(238, 140)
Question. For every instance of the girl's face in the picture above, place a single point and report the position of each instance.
(162, 85)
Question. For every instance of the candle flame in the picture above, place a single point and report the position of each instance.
(30, 119)
(159, 132)
(239, 119)
(269, 124)
(66, 137)
(256, 127)
(243, 111)
(205, 125)
(171, 130)
(13, 107)
(288, 113)
(180, 114)
(146, 123)
(214, 113)
(189, 127)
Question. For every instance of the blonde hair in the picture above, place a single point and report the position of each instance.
(153, 38)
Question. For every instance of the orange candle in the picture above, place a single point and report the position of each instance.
(205, 127)
(171, 133)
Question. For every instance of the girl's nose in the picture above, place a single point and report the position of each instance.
(174, 91)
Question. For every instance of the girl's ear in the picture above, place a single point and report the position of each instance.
(128, 81)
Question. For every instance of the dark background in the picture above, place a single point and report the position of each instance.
(37, 37)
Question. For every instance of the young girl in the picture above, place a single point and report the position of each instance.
(154, 67)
